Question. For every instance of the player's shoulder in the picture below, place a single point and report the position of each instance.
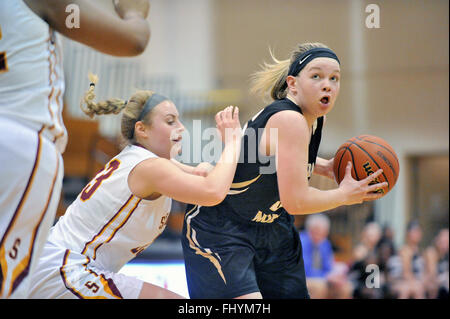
(287, 120)
(133, 156)
(154, 167)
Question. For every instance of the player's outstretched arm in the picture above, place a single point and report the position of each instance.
(201, 169)
(296, 196)
(165, 177)
(124, 33)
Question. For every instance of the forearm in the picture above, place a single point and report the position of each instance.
(323, 168)
(99, 29)
(183, 167)
(313, 200)
(223, 173)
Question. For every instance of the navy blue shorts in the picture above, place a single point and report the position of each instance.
(226, 258)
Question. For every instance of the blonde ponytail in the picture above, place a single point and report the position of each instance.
(131, 109)
(91, 108)
(270, 78)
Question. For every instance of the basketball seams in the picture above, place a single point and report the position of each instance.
(381, 145)
(384, 147)
(390, 153)
(353, 162)
(340, 160)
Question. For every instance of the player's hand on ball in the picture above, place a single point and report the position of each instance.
(356, 192)
(128, 8)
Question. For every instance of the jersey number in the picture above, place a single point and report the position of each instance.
(90, 188)
(3, 62)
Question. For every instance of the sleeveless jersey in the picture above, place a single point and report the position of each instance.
(254, 196)
(31, 72)
(106, 222)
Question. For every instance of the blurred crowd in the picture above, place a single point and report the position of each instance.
(377, 269)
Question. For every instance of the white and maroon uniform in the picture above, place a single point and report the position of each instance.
(32, 138)
(103, 229)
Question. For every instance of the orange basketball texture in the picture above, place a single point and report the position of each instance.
(367, 153)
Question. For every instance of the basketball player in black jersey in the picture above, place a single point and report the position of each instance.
(247, 246)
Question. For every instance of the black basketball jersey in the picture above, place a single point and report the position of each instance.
(254, 196)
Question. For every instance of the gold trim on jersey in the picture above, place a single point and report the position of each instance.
(107, 284)
(3, 59)
(107, 226)
(246, 183)
(22, 269)
(117, 229)
(234, 191)
(3, 62)
(15, 217)
(193, 243)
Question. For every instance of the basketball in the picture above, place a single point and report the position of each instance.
(367, 153)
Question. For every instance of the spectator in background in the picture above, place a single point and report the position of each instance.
(370, 236)
(364, 254)
(325, 278)
(387, 239)
(406, 270)
(436, 266)
(385, 249)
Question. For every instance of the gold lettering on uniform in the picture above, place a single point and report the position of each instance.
(276, 206)
(264, 218)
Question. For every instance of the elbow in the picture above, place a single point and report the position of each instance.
(214, 195)
(141, 45)
(291, 209)
(295, 206)
(215, 198)
(138, 46)
(142, 42)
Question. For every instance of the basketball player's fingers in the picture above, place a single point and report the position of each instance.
(373, 196)
(227, 115)
(236, 113)
(373, 176)
(227, 112)
(348, 169)
(221, 115)
(217, 118)
(375, 187)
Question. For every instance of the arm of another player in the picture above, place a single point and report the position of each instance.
(201, 169)
(126, 33)
(165, 177)
(296, 196)
(324, 167)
